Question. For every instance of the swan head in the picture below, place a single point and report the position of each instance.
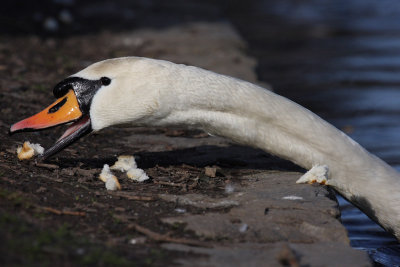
(109, 92)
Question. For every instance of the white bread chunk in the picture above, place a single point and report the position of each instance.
(137, 175)
(110, 179)
(124, 163)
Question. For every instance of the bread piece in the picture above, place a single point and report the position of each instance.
(137, 175)
(110, 179)
(124, 163)
(28, 150)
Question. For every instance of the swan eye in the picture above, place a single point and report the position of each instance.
(105, 81)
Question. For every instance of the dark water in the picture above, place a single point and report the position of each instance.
(341, 59)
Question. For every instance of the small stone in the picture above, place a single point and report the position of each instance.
(137, 240)
(179, 210)
(243, 228)
(210, 171)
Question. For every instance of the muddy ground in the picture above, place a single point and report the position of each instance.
(59, 212)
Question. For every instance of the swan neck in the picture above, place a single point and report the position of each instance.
(251, 115)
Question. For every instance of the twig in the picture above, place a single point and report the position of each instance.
(63, 212)
(165, 238)
(61, 190)
(188, 167)
(132, 197)
(47, 166)
(58, 180)
(182, 185)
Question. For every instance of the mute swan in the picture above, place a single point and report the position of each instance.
(148, 92)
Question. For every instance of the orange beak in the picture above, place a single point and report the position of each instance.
(63, 110)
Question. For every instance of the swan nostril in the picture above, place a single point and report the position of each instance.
(58, 105)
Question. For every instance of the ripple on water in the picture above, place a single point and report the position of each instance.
(367, 235)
